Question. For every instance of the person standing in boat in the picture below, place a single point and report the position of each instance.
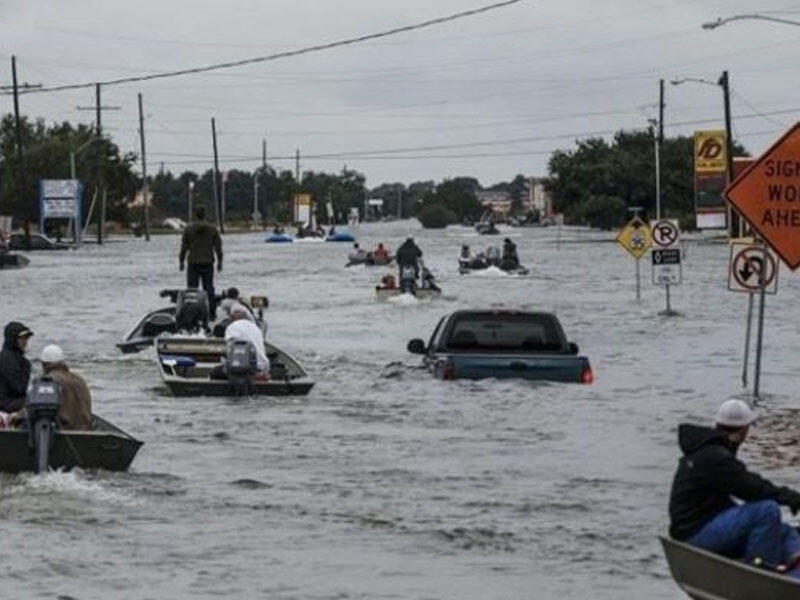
(201, 241)
(702, 509)
(510, 258)
(15, 369)
(408, 255)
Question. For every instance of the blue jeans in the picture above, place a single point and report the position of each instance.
(751, 530)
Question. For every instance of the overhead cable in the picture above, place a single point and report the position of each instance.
(286, 54)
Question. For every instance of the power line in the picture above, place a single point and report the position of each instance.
(288, 53)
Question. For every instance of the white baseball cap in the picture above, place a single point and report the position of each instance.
(52, 354)
(734, 413)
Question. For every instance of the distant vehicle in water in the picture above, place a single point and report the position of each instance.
(479, 344)
(12, 260)
(37, 241)
(174, 223)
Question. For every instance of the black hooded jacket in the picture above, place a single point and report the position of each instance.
(15, 370)
(708, 475)
(408, 254)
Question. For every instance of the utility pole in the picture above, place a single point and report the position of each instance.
(217, 210)
(297, 166)
(145, 187)
(15, 88)
(724, 82)
(98, 108)
(264, 175)
(659, 142)
(17, 121)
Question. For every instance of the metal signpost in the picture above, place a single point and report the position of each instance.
(667, 269)
(636, 238)
(61, 199)
(745, 275)
(767, 195)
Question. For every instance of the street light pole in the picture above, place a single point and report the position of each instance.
(191, 192)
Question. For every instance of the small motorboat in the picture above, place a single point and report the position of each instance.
(465, 268)
(12, 260)
(704, 575)
(370, 261)
(487, 228)
(279, 238)
(104, 447)
(180, 317)
(185, 364)
(340, 236)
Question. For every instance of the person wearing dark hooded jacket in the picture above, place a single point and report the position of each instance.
(408, 255)
(709, 477)
(15, 369)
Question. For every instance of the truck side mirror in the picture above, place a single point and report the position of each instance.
(416, 346)
(573, 348)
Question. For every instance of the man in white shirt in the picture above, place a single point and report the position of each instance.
(242, 329)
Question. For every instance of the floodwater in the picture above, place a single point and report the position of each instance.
(383, 483)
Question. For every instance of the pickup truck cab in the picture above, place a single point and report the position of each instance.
(478, 344)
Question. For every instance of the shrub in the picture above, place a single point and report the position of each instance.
(435, 216)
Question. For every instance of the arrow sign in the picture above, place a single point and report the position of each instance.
(746, 267)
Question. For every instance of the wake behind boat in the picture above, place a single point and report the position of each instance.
(104, 447)
(707, 576)
(185, 364)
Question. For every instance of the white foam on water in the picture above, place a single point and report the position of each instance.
(490, 272)
(72, 483)
(404, 300)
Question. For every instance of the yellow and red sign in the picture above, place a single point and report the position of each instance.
(767, 194)
(709, 152)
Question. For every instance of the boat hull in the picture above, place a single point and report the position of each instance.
(203, 354)
(384, 294)
(707, 576)
(106, 447)
(136, 341)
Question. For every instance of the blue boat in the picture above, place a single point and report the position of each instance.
(279, 238)
(341, 236)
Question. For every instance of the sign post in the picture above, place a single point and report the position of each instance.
(61, 199)
(744, 275)
(636, 238)
(667, 268)
(767, 195)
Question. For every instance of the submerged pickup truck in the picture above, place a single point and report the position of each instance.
(504, 344)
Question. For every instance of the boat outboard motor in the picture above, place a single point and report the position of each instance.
(241, 363)
(157, 324)
(191, 311)
(42, 408)
(408, 280)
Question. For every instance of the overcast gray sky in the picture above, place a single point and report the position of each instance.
(501, 90)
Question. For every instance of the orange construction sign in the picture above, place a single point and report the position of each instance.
(767, 195)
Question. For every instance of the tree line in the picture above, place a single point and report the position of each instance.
(592, 184)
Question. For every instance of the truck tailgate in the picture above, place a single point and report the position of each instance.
(543, 367)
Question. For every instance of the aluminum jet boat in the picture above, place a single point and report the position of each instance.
(704, 575)
(104, 447)
(185, 364)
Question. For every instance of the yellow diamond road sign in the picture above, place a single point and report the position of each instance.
(636, 237)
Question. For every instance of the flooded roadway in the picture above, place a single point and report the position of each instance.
(382, 483)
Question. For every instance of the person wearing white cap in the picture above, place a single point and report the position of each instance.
(708, 480)
(75, 411)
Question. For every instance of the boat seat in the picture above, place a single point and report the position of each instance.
(181, 364)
